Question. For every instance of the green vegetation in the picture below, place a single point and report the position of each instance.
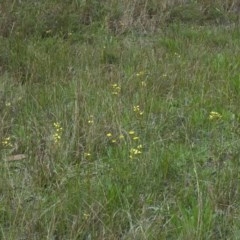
(119, 120)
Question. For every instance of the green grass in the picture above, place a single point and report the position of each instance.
(114, 119)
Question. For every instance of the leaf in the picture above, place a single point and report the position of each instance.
(16, 157)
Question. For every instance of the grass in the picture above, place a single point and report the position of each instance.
(127, 122)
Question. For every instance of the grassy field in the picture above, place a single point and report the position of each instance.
(119, 120)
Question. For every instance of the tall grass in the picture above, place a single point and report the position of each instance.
(119, 120)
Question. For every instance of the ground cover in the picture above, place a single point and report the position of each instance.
(119, 123)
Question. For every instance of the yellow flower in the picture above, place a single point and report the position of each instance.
(116, 89)
(86, 216)
(137, 110)
(177, 55)
(86, 154)
(57, 125)
(90, 121)
(214, 115)
(121, 136)
(109, 135)
(6, 142)
(141, 73)
(135, 138)
(131, 132)
(58, 132)
(134, 152)
(139, 146)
